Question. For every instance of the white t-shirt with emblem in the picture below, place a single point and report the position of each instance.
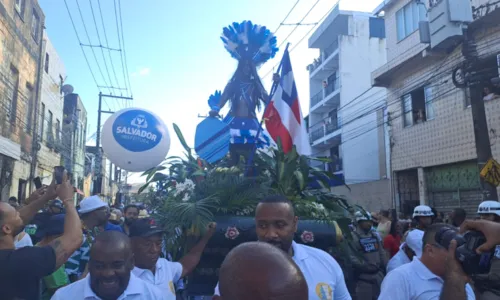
(167, 273)
(323, 274)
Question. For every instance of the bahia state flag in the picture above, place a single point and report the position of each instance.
(283, 115)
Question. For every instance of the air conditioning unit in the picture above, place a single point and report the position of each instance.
(446, 22)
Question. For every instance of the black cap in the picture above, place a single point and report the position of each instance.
(53, 226)
(144, 228)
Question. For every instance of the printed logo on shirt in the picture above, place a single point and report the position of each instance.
(324, 291)
(369, 244)
(497, 251)
(172, 288)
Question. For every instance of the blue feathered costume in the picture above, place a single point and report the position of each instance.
(252, 45)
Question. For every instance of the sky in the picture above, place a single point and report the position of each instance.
(174, 56)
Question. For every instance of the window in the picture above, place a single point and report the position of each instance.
(61, 83)
(50, 133)
(19, 6)
(42, 122)
(12, 94)
(35, 25)
(418, 106)
(408, 18)
(58, 130)
(377, 28)
(46, 67)
(28, 116)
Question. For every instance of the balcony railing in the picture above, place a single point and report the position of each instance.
(316, 98)
(331, 125)
(331, 87)
(330, 49)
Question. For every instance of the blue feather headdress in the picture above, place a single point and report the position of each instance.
(248, 41)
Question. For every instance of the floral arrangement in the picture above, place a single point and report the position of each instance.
(190, 193)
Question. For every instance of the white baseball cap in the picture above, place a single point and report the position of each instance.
(90, 204)
(414, 240)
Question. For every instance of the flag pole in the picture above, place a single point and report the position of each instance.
(273, 90)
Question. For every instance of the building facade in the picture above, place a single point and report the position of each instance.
(73, 140)
(21, 45)
(112, 176)
(346, 125)
(433, 150)
(51, 113)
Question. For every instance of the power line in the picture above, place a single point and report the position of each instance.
(107, 43)
(123, 47)
(80, 42)
(93, 52)
(301, 20)
(100, 43)
(302, 39)
(286, 17)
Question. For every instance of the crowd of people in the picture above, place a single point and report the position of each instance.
(51, 249)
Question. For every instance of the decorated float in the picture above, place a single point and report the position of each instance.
(212, 181)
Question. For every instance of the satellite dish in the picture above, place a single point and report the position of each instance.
(67, 89)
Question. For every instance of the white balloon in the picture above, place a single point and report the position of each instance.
(135, 139)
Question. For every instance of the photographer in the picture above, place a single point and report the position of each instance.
(455, 276)
(423, 277)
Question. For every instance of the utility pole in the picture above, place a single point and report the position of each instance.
(98, 170)
(474, 80)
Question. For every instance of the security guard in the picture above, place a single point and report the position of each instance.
(489, 284)
(423, 216)
(368, 258)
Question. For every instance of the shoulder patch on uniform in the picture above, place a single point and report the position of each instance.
(497, 251)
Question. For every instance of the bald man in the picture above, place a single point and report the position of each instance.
(110, 277)
(260, 271)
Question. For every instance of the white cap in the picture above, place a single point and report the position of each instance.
(422, 211)
(90, 204)
(489, 207)
(415, 241)
(362, 217)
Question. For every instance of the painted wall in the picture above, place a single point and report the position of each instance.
(362, 147)
(53, 102)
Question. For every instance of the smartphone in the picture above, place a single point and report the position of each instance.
(58, 174)
(38, 182)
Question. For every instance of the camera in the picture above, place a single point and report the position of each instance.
(466, 248)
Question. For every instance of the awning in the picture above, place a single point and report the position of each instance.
(10, 148)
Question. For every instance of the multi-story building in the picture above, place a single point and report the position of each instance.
(51, 113)
(433, 151)
(21, 45)
(111, 176)
(343, 121)
(74, 138)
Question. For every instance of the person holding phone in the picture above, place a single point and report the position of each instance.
(23, 268)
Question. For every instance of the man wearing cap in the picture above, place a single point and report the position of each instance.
(147, 239)
(410, 248)
(56, 207)
(423, 278)
(95, 214)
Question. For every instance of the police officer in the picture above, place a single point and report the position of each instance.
(489, 284)
(368, 258)
(423, 215)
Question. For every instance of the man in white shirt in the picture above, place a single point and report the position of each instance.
(110, 276)
(422, 279)
(412, 247)
(276, 224)
(259, 271)
(147, 240)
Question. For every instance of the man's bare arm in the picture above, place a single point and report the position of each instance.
(37, 201)
(72, 237)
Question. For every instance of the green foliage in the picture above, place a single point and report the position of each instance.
(192, 192)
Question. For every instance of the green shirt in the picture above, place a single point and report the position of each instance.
(54, 281)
